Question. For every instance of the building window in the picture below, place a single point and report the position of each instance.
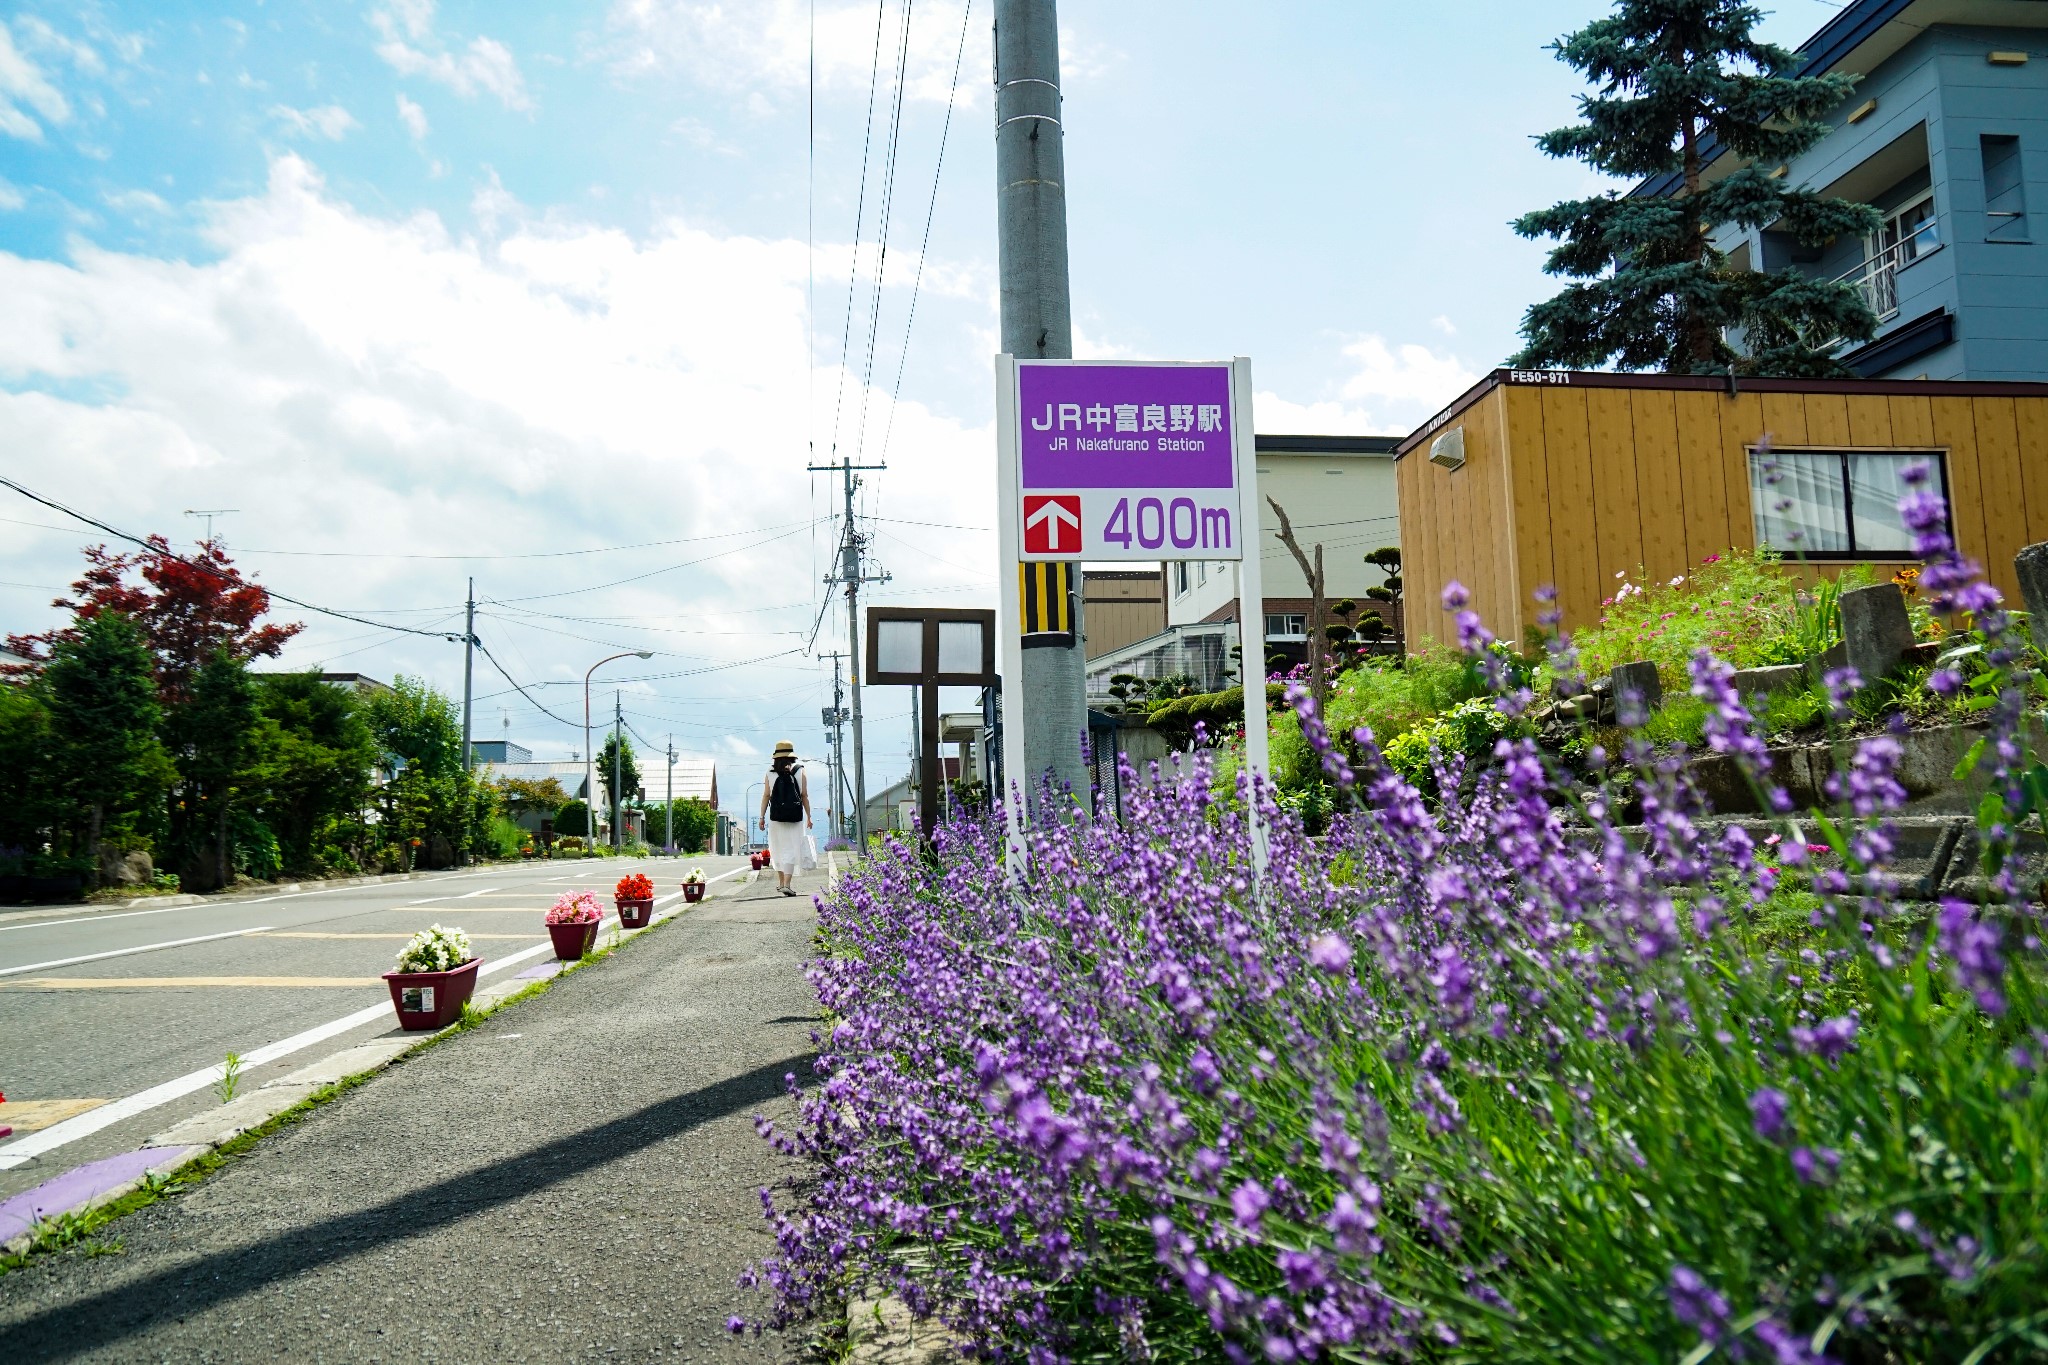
(2005, 191)
(1835, 504)
(1201, 571)
(1910, 231)
(1286, 625)
(1180, 579)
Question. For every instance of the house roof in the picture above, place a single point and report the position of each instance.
(1325, 445)
(1603, 379)
(1866, 32)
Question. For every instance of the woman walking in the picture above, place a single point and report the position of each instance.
(786, 799)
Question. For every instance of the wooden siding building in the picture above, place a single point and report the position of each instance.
(1535, 477)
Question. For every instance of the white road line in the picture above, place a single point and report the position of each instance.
(142, 1101)
(125, 952)
(483, 891)
(95, 919)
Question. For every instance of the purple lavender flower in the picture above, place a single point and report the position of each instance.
(1698, 1304)
(1767, 1111)
(1330, 953)
(1786, 1346)
(1972, 948)
(1248, 1204)
(1351, 1225)
(1815, 1165)
(1830, 1040)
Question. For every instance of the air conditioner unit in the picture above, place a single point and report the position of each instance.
(1448, 449)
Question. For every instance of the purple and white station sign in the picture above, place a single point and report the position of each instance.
(1126, 462)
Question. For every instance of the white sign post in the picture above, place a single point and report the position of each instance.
(1109, 460)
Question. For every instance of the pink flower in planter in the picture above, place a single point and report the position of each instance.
(575, 907)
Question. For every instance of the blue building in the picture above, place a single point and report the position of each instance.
(1946, 135)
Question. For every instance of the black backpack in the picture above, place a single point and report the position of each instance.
(786, 799)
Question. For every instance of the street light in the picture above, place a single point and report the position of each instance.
(590, 759)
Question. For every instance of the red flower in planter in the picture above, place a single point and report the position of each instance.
(638, 887)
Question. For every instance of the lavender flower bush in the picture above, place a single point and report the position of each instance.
(1489, 1078)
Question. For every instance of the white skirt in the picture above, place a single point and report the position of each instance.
(786, 845)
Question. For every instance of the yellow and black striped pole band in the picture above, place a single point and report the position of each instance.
(1045, 598)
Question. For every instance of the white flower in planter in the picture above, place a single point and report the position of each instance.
(435, 949)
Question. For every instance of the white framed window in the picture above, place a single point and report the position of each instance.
(1180, 578)
(1835, 504)
(1909, 231)
(1286, 625)
(1201, 571)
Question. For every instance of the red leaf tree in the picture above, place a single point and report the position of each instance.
(189, 608)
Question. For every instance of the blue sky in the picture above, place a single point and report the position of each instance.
(402, 278)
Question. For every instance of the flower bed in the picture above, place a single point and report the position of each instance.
(1464, 1081)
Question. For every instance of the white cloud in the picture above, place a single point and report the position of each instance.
(1444, 325)
(1390, 391)
(40, 37)
(22, 82)
(413, 117)
(138, 202)
(330, 121)
(1274, 415)
(390, 386)
(756, 43)
(485, 65)
(11, 198)
(1408, 379)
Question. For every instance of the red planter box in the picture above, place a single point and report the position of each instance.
(635, 914)
(432, 1000)
(693, 892)
(573, 940)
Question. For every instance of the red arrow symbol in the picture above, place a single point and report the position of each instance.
(1050, 515)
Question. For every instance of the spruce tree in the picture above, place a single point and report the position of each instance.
(1673, 79)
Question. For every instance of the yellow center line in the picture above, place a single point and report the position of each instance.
(97, 983)
(26, 1116)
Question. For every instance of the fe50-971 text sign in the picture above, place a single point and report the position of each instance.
(1132, 462)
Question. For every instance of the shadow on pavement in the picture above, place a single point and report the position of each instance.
(116, 1314)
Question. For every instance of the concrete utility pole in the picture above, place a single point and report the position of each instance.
(836, 718)
(1031, 227)
(850, 574)
(468, 667)
(668, 819)
(618, 745)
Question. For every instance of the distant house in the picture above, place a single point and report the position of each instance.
(361, 683)
(1122, 606)
(1339, 492)
(1944, 134)
(499, 751)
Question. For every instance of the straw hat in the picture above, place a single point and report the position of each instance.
(784, 749)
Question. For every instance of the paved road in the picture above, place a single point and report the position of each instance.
(167, 992)
(578, 1177)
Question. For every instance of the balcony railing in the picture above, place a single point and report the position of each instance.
(1878, 277)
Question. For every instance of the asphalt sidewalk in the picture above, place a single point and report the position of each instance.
(577, 1177)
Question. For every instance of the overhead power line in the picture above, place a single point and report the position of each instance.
(924, 249)
(211, 572)
(860, 206)
(530, 554)
(481, 649)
